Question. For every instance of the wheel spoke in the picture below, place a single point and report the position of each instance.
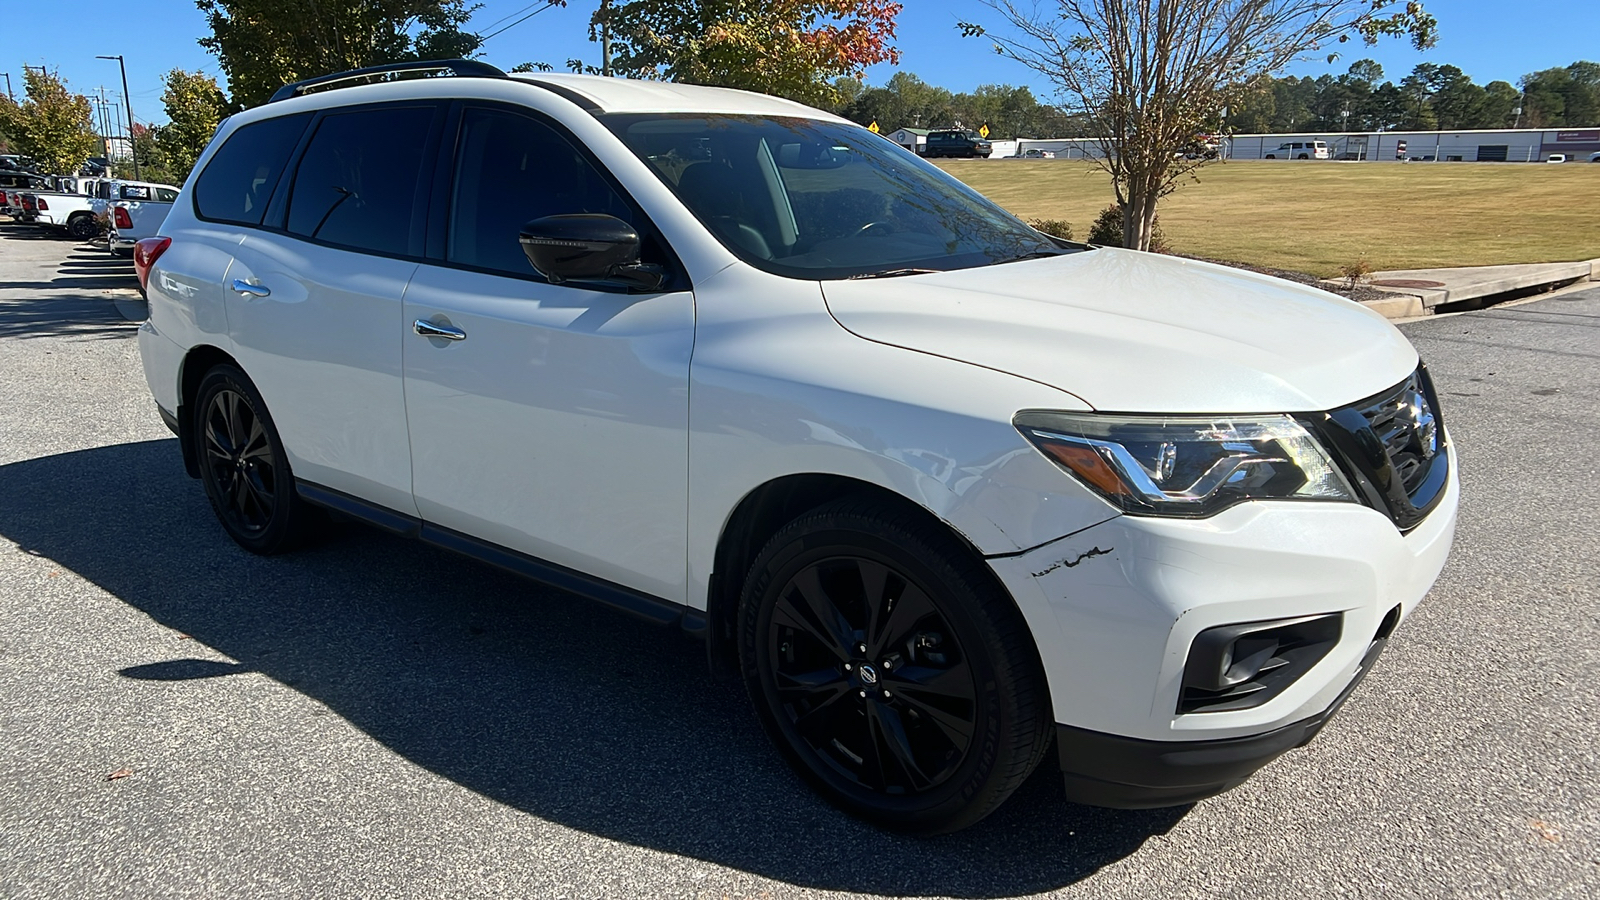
(263, 498)
(891, 733)
(957, 729)
(817, 615)
(954, 682)
(875, 591)
(240, 494)
(814, 722)
(910, 608)
(256, 445)
(816, 681)
(231, 418)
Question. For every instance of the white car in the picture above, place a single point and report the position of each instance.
(954, 497)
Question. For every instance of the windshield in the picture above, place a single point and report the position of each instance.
(823, 200)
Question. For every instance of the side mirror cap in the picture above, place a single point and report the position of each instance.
(588, 247)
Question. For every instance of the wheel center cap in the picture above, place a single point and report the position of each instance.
(869, 675)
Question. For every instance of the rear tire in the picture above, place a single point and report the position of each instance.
(244, 467)
(82, 227)
(890, 670)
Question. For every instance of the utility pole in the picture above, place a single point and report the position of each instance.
(605, 38)
(128, 102)
(9, 92)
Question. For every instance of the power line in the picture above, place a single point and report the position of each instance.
(517, 13)
(548, 5)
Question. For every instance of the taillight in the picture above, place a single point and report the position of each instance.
(124, 221)
(43, 206)
(145, 254)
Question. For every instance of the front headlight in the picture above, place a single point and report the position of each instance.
(1190, 466)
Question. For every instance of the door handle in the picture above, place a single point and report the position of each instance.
(429, 329)
(240, 286)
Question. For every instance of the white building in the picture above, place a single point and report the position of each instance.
(1493, 145)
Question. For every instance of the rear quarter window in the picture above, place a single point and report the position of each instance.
(240, 178)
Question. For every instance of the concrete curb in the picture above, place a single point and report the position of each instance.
(1480, 283)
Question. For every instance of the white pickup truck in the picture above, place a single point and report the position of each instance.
(137, 210)
(68, 206)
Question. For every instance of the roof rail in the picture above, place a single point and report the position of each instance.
(461, 68)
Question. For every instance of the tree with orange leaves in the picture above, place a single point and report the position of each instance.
(790, 48)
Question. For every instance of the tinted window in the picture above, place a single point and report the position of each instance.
(238, 182)
(166, 195)
(356, 186)
(812, 199)
(512, 169)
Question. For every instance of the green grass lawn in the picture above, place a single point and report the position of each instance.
(1317, 216)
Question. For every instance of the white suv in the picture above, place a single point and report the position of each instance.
(945, 490)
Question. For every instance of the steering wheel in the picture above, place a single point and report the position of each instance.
(876, 223)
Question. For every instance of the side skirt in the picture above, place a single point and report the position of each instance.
(646, 606)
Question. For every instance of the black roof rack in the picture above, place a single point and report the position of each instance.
(461, 68)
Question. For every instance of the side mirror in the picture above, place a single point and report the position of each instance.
(588, 247)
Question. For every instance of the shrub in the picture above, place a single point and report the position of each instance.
(1355, 273)
(1060, 228)
(1107, 230)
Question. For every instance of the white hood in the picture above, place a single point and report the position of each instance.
(1139, 332)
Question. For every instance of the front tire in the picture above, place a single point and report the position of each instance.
(890, 670)
(244, 467)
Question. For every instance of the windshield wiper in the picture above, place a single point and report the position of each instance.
(894, 273)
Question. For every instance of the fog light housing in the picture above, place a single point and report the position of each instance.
(1240, 666)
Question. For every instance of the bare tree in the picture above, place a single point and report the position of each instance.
(1150, 74)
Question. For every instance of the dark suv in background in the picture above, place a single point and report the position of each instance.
(957, 143)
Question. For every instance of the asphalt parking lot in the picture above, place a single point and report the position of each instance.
(376, 718)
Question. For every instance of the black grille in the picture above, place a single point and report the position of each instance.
(1405, 424)
(1392, 448)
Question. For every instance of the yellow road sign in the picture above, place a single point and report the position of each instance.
(984, 131)
(873, 127)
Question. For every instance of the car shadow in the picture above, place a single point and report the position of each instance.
(87, 297)
(532, 697)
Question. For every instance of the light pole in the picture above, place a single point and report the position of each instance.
(128, 105)
(9, 92)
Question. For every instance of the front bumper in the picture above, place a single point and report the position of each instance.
(1116, 608)
(1127, 773)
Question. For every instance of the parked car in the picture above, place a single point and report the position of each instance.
(958, 144)
(1038, 154)
(1301, 150)
(136, 212)
(1594, 157)
(952, 497)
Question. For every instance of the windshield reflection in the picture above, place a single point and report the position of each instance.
(823, 200)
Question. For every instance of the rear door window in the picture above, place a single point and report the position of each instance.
(240, 178)
(356, 186)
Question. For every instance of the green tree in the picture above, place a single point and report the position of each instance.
(52, 125)
(1457, 102)
(1500, 100)
(1150, 74)
(155, 165)
(265, 44)
(791, 48)
(195, 106)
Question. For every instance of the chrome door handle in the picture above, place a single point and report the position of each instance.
(429, 329)
(240, 286)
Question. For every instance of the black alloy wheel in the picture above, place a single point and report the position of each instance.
(243, 466)
(892, 672)
(82, 227)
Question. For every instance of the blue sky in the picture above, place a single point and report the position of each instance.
(1488, 40)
